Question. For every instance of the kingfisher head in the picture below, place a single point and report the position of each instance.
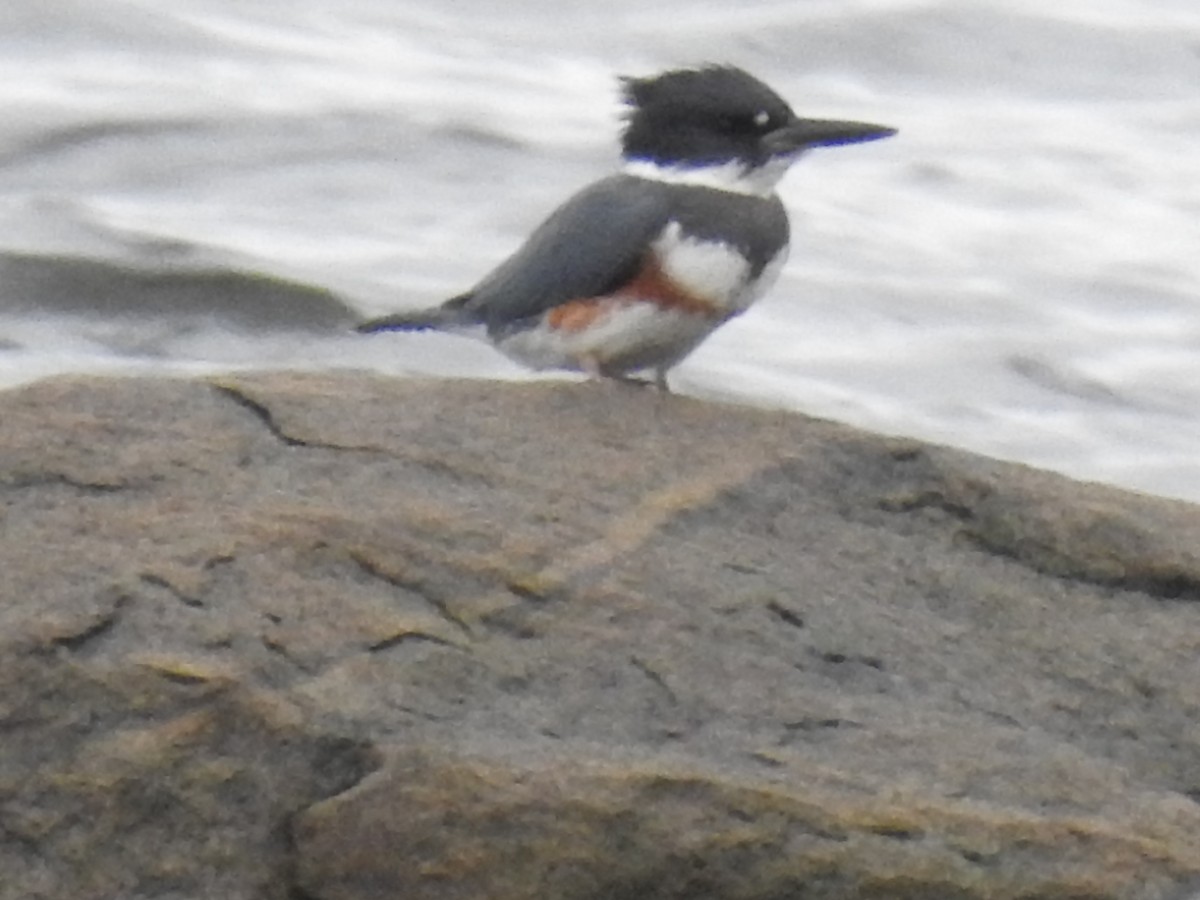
(721, 127)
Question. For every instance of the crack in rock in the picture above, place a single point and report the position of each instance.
(1028, 545)
(155, 580)
(98, 627)
(405, 637)
(788, 616)
(655, 678)
(263, 413)
(373, 570)
(62, 479)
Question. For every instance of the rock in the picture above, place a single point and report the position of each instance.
(317, 637)
(207, 294)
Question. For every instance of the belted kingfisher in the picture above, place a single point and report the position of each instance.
(633, 272)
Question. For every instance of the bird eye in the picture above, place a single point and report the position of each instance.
(743, 123)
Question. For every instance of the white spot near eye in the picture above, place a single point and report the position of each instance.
(762, 118)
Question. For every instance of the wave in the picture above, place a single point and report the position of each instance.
(53, 284)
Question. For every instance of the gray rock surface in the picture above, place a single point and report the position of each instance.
(340, 637)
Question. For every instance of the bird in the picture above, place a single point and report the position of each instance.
(633, 272)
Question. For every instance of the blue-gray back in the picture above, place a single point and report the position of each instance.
(598, 240)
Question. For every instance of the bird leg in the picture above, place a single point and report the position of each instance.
(594, 369)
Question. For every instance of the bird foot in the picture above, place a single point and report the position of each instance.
(595, 371)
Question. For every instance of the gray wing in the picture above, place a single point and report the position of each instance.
(589, 246)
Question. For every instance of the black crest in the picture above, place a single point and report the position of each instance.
(706, 115)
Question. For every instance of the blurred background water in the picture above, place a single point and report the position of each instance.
(203, 185)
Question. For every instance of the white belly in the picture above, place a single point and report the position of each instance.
(628, 337)
(626, 332)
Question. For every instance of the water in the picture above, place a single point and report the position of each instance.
(201, 186)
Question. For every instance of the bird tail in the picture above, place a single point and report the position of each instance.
(450, 316)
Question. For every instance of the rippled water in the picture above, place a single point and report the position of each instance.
(209, 186)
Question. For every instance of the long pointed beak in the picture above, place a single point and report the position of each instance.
(803, 133)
